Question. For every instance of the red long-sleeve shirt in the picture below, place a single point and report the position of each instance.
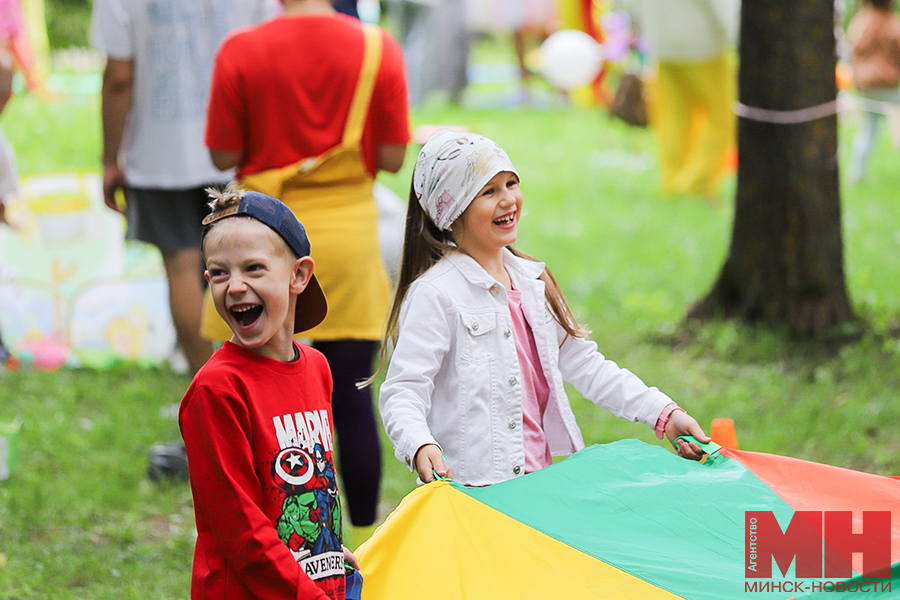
(259, 445)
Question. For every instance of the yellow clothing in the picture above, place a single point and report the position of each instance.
(691, 109)
(332, 196)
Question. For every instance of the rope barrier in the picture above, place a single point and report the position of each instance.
(786, 117)
(842, 103)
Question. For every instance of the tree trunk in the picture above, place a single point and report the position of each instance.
(785, 264)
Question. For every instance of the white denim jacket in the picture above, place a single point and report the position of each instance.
(454, 377)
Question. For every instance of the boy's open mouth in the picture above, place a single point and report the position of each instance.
(245, 315)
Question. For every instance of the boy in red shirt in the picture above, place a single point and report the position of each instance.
(309, 107)
(257, 417)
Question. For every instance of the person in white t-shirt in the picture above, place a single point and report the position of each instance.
(160, 55)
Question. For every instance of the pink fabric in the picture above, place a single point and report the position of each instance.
(664, 419)
(535, 387)
(10, 19)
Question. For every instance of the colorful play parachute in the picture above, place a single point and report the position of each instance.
(628, 520)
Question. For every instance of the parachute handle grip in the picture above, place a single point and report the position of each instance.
(707, 447)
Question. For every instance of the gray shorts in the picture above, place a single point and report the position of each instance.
(168, 219)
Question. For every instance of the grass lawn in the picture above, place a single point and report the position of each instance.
(80, 519)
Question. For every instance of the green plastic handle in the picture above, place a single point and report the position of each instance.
(440, 477)
(707, 447)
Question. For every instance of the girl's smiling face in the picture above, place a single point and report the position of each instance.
(490, 222)
(254, 278)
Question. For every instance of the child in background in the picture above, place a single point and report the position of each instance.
(9, 173)
(484, 339)
(15, 47)
(874, 36)
(10, 30)
(9, 185)
(256, 419)
(10, 26)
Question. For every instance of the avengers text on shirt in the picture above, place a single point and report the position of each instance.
(303, 469)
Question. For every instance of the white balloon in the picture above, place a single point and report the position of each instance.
(570, 58)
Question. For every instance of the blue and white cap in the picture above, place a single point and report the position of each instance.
(311, 304)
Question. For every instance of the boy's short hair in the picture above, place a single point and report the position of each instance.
(272, 212)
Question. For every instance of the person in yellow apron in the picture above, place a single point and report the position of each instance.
(333, 195)
(691, 90)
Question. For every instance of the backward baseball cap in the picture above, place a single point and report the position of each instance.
(311, 304)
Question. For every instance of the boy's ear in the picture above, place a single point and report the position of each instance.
(206, 275)
(303, 271)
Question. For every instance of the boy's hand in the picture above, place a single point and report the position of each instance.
(430, 460)
(113, 180)
(350, 559)
(680, 423)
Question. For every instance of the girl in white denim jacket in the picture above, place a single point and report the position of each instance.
(483, 338)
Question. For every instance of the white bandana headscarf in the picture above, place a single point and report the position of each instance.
(451, 169)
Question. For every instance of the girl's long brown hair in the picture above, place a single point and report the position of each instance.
(423, 246)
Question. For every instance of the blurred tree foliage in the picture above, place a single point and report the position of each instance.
(68, 23)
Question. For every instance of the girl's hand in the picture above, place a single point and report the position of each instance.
(350, 559)
(680, 423)
(430, 460)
